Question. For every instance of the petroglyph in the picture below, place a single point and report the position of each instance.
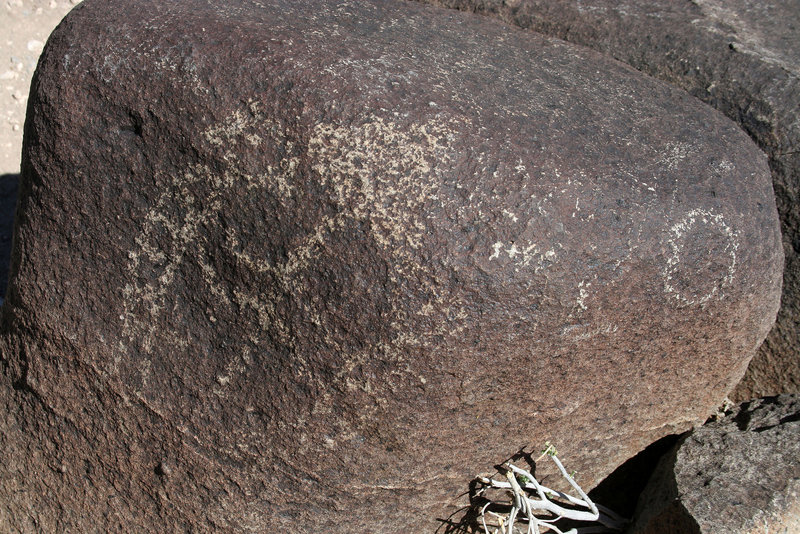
(395, 198)
(382, 177)
(153, 266)
(676, 153)
(700, 226)
(394, 201)
(583, 292)
(525, 255)
(174, 237)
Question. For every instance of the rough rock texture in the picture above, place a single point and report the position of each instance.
(739, 474)
(740, 56)
(311, 266)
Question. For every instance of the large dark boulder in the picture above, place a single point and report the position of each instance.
(739, 474)
(311, 266)
(740, 56)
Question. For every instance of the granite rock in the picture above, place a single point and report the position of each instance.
(311, 266)
(736, 475)
(740, 56)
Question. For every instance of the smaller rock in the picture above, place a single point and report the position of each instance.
(738, 474)
(163, 469)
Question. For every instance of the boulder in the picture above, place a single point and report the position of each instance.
(736, 475)
(311, 266)
(740, 56)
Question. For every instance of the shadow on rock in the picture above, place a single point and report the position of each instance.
(9, 184)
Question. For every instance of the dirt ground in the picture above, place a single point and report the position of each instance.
(25, 24)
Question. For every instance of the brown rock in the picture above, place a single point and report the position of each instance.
(737, 475)
(740, 56)
(310, 266)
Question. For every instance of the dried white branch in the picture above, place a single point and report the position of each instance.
(550, 507)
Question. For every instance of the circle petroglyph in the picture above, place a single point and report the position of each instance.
(693, 275)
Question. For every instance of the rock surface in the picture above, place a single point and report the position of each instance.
(311, 266)
(736, 475)
(740, 56)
